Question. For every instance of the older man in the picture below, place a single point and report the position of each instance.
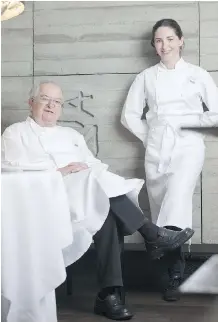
(103, 205)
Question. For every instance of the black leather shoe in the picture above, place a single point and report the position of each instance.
(112, 307)
(171, 293)
(168, 240)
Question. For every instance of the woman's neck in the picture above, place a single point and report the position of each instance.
(171, 64)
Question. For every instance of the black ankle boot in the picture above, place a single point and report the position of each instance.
(168, 240)
(171, 292)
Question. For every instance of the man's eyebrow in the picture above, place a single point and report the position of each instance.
(56, 98)
(43, 94)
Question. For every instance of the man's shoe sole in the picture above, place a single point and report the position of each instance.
(160, 251)
(98, 311)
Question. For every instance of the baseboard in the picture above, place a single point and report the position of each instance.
(203, 249)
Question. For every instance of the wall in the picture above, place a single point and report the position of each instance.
(94, 50)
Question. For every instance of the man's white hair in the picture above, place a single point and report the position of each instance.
(36, 88)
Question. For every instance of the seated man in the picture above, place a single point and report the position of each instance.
(103, 205)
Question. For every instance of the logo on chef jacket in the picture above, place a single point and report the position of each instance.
(192, 80)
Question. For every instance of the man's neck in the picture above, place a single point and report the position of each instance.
(43, 124)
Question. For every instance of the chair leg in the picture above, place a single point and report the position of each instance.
(69, 280)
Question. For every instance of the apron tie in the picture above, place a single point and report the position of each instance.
(167, 147)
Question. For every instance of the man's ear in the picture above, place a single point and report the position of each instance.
(30, 101)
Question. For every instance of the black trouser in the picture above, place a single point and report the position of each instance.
(176, 264)
(124, 218)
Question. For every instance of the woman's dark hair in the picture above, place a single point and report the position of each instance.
(167, 23)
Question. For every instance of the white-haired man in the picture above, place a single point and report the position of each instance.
(100, 201)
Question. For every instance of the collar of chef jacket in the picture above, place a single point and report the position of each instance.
(179, 65)
(38, 129)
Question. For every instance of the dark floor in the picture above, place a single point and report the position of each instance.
(143, 294)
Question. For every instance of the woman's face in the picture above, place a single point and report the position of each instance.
(167, 44)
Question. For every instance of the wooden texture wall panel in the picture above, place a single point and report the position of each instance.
(14, 100)
(209, 35)
(15, 92)
(210, 188)
(17, 44)
(103, 38)
(210, 201)
(214, 75)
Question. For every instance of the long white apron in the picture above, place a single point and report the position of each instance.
(172, 164)
(173, 159)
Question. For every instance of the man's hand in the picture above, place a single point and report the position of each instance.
(73, 167)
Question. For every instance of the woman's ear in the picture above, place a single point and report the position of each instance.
(182, 42)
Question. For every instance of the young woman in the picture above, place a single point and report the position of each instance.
(174, 92)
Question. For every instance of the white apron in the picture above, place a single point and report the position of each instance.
(173, 159)
(26, 145)
(173, 164)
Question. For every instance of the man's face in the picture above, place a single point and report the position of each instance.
(47, 105)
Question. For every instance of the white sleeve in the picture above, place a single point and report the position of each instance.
(14, 153)
(133, 109)
(89, 158)
(12, 149)
(210, 98)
